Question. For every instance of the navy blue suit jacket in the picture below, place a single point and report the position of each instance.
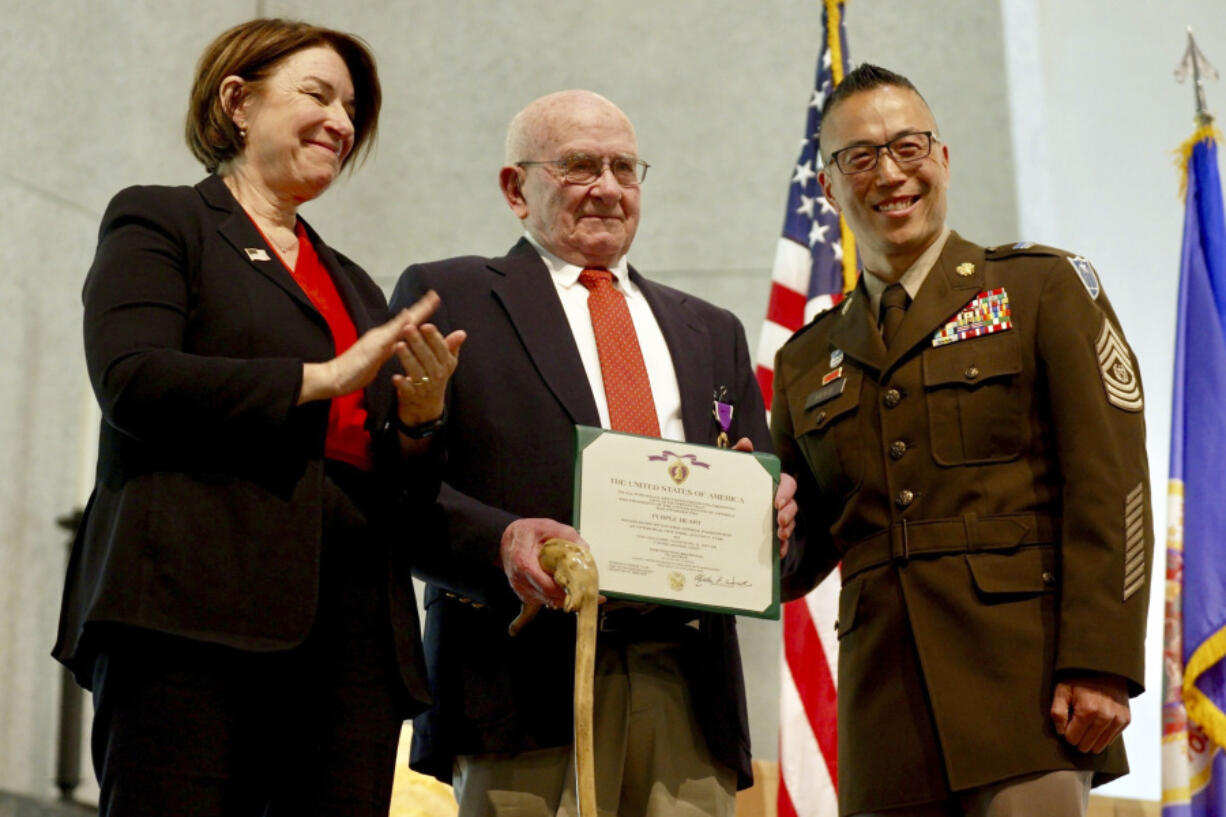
(512, 406)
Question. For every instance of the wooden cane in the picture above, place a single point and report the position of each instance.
(574, 569)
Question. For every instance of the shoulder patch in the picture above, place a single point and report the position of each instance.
(1022, 248)
(1115, 366)
(1085, 271)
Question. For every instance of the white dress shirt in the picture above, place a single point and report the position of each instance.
(663, 378)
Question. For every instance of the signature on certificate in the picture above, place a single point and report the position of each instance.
(701, 579)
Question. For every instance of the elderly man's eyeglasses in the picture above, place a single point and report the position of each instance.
(904, 149)
(581, 168)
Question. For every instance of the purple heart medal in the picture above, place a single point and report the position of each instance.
(722, 412)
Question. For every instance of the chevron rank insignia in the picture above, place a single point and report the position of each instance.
(1085, 271)
(1115, 365)
(987, 313)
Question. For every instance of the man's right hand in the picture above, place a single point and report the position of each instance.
(521, 559)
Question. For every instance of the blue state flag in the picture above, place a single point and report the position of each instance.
(1194, 658)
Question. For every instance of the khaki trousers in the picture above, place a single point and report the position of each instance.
(1048, 794)
(651, 757)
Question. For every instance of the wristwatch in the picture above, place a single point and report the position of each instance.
(420, 431)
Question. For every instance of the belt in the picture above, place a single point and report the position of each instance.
(934, 537)
(645, 622)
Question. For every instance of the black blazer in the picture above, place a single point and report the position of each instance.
(512, 406)
(206, 518)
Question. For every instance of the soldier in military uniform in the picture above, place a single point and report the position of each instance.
(976, 460)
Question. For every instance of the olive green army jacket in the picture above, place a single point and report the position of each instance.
(984, 484)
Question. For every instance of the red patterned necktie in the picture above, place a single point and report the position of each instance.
(621, 361)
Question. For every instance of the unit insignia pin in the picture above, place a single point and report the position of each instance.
(966, 269)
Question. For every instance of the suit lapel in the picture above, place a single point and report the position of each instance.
(855, 329)
(942, 294)
(241, 234)
(689, 347)
(523, 286)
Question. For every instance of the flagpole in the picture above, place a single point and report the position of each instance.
(834, 42)
(1194, 61)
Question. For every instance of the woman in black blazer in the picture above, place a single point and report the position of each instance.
(235, 597)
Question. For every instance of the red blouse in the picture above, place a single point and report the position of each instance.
(347, 440)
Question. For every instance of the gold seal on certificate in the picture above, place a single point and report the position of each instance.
(680, 524)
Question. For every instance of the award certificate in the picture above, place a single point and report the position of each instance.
(677, 523)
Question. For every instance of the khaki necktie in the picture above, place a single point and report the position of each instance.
(626, 387)
(894, 302)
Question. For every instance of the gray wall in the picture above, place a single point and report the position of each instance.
(717, 90)
(1098, 115)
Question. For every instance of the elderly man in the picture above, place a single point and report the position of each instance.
(563, 331)
(975, 457)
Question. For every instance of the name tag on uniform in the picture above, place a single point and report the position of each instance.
(987, 313)
(825, 393)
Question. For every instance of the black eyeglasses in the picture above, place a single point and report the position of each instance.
(582, 168)
(904, 149)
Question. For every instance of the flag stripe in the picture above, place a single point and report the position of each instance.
(785, 807)
(813, 680)
(809, 781)
(793, 261)
(773, 336)
(786, 306)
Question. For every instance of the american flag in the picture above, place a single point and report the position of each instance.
(810, 272)
(814, 265)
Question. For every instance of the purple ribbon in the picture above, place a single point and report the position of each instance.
(664, 455)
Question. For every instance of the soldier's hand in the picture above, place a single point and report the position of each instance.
(785, 511)
(1090, 711)
(785, 504)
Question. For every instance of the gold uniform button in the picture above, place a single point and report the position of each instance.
(1049, 578)
(820, 418)
(905, 498)
(897, 449)
(892, 398)
(971, 372)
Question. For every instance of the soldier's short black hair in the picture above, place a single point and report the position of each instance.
(866, 77)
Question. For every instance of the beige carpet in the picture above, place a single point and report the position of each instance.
(417, 795)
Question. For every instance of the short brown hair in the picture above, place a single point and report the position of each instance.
(252, 51)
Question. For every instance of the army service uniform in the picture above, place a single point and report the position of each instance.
(984, 483)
